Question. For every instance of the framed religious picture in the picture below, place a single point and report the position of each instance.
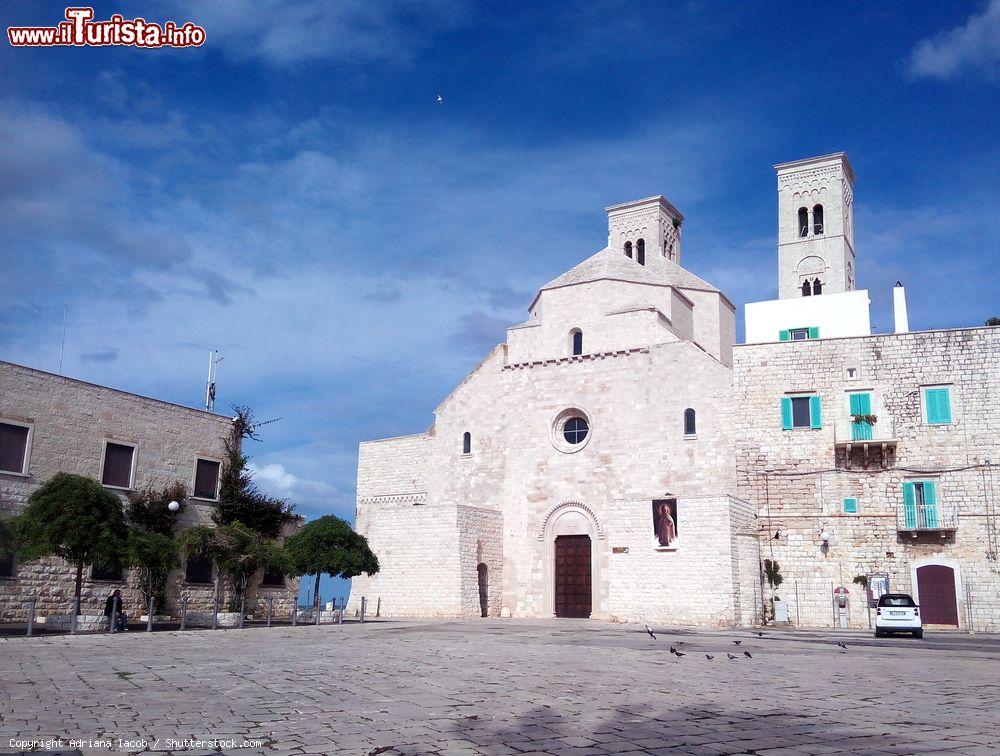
(878, 585)
(665, 523)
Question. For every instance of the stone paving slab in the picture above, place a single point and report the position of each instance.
(500, 687)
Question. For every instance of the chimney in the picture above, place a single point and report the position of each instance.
(899, 308)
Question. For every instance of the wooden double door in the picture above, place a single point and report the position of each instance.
(936, 591)
(573, 590)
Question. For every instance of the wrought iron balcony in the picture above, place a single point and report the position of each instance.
(865, 444)
(919, 518)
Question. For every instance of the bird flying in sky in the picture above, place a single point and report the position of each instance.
(440, 100)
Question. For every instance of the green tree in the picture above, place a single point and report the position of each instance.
(237, 551)
(148, 510)
(75, 518)
(239, 498)
(329, 545)
(993, 322)
(153, 555)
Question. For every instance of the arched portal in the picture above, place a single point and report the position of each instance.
(570, 537)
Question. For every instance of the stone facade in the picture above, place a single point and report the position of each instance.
(70, 423)
(631, 345)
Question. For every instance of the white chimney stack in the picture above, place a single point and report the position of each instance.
(899, 308)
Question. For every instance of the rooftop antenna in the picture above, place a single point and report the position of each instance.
(62, 340)
(213, 360)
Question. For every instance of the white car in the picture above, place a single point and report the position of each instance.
(897, 613)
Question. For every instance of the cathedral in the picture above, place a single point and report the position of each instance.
(621, 457)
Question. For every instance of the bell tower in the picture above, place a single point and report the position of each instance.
(815, 226)
(646, 230)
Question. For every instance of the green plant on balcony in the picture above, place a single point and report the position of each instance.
(869, 419)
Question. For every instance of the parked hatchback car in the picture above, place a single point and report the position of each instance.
(897, 613)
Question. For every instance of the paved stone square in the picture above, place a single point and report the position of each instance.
(504, 687)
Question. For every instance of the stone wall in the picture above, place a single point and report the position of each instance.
(480, 534)
(70, 422)
(802, 492)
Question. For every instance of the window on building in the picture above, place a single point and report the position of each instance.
(640, 251)
(920, 504)
(804, 411)
(7, 567)
(576, 341)
(14, 447)
(937, 405)
(118, 459)
(850, 506)
(273, 577)
(206, 479)
(798, 334)
(818, 219)
(628, 249)
(690, 422)
(817, 286)
(467, 443)
(806, 288)
(106, 573)
(198, 570)
(575, 431)
(803, 222)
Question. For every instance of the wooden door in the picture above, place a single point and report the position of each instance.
(573, 579)
(484, 596)
(936, 590)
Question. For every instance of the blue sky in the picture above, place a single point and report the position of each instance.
(292, 195)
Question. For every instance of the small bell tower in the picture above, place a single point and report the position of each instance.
(815, 226)
(646, 230)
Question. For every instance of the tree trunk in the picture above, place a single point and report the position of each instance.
(79, 586)
(316, 592)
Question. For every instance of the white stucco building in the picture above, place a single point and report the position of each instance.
(620, 457)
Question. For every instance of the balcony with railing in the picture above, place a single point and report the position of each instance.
(919, 518)
(865, 443)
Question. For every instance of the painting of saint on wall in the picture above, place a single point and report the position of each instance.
(665, 522)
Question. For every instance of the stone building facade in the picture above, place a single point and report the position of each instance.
(50, 424)
(620, 457)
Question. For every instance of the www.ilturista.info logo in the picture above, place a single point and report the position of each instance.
(80, 30)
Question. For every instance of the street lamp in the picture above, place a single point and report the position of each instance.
(173, 506)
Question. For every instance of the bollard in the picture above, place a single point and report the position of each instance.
(76, 613)
(364, 604)
(270, 608)
(149, 616)
(31, 616)
(113, 619)
(184, 612)
(243, 605)
(295, 613)
(340, 615)
(378, 606)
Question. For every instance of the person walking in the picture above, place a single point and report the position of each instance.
(113, 611)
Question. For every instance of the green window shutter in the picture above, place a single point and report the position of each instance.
(944, 405)
(784, 335)
(938, 403)
(930, 504)
(786, 413)
(850, 506)
(815, 412)
(930, 401)
(909, 506)
(814, 333)
(856, 404)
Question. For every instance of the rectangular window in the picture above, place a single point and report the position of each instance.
(14, 448)
(860, 405)
(118, 459)
(206, 479)
(7, 567)
(273, 577)
(198, 571)
(106, 573)
(920, 504)
(798, 334)
(850, 506)
(801, 412)
(937, 405)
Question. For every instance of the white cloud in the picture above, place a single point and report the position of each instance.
(292, 31)
(974, 45)
(274, 478)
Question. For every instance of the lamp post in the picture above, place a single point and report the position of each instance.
(173, 506)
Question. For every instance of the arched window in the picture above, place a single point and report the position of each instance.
(806, 288)
(576, 339)
(817, 286)
(803, 222)
(640, 252)
(818, 219)
(690, 425)
(628, 249)
(467, 443)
